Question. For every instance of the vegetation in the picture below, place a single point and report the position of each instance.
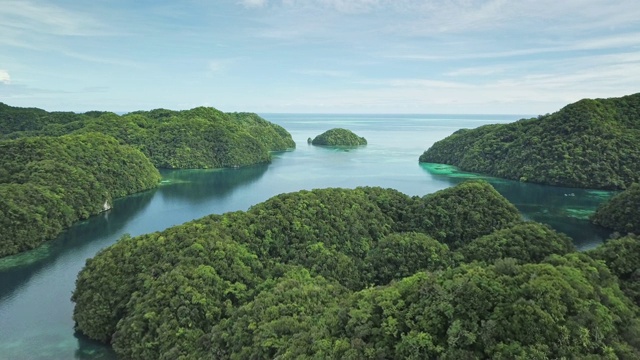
(367, 273)
(197, 138)
(527, 242)
(339, 137)
(588, 144)
(48, 183)
(60, 167)
(622, 256)
(622, 212)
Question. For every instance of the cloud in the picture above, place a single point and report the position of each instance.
(324, 73)
(32, 17)
(253, 3)
(625, 40)
(219, 66)
(477, 71)
(351, 6)
(4, 77)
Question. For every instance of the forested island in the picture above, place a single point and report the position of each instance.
(48, 183)
(588, 144)
(60, 167)
(339, 137)
(199, 138)
(367, 273)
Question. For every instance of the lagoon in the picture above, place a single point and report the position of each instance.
(35, 287)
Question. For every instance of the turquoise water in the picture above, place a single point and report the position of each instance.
(35, 287)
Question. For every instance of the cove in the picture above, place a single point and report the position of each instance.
(35, 287)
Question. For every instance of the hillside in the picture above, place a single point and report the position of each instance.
(48, 183)
(368, 273)
(587, 144)
(621, 213)
(197, 138)
(339, 137)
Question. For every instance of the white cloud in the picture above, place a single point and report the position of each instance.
(4, 77)
(324, 73)
(46, 19)
(351, 6)
(625, 40)
(218, 66)
(253, 3)
(477, 71)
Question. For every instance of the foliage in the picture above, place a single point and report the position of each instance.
(14, 119)
(588, 144)
(527, 242)
(622, 256)
(47, 183)
(197, 138)
(329, 231)
(281, 315)
(570, 307)
(339, 137)
(457, 215)
(295, 276)
(622, 212)
(400, 255)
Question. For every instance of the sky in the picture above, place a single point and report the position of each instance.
(318, 56)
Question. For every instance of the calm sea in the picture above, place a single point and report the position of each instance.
(35, 287)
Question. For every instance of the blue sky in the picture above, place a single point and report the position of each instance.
(328, 56)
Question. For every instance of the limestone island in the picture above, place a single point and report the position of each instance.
(588, 144)
(57, 168)
(339, 137)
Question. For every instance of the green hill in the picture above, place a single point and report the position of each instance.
(622, 212)
(339, 137)
(198, 138)
(588, 144)
(48, 183)
(368, 273)
(622, 256)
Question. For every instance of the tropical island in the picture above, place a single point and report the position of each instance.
(47, 184)
(338, 137)
(362, 274)
(199, 138)
(57, 168)
(588, 144)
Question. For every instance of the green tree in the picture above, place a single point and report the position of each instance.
(339, 137)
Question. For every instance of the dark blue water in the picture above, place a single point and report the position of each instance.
(35, 287)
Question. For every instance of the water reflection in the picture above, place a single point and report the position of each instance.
(199, 186)
(16, 270)
(35, 287)
(91, 349)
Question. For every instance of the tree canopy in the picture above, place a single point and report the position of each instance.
(587, 144)
(367, 273)
(202, 137)
(60, 167)
(622, 212)
(48, 183)
(339, 137)
(622, 256)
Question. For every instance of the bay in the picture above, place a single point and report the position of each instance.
(35, 287)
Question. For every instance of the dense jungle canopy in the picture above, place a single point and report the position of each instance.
(48, 183)
(588, 144)
(339, 137)
(367, 273)
(202, 137)
(622, 212)
(60, 167)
